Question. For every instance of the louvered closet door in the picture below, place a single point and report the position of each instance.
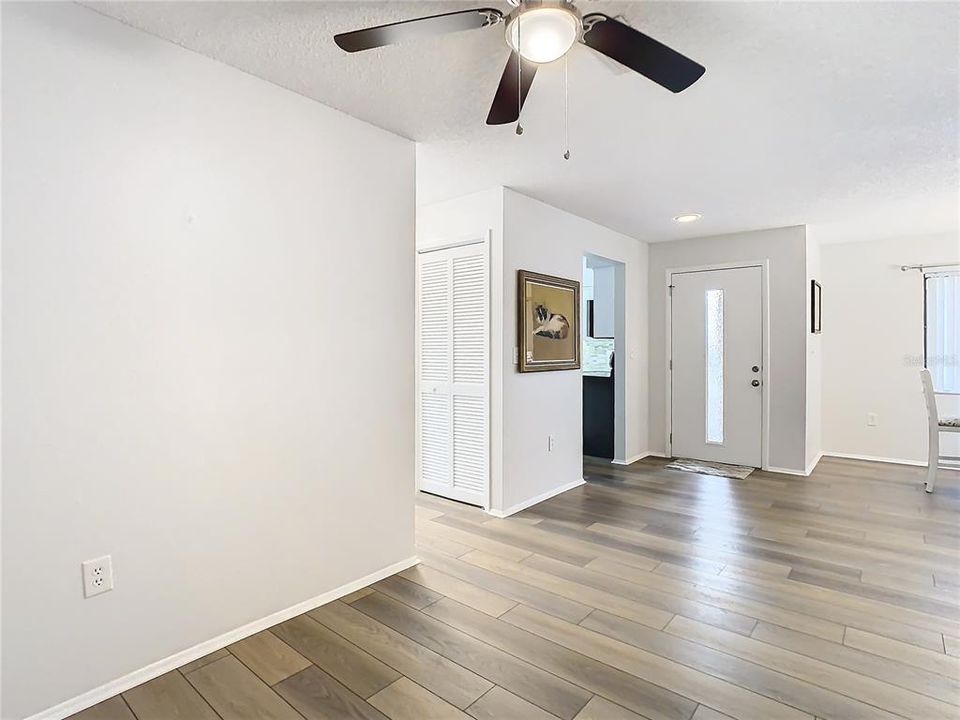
(453, 328)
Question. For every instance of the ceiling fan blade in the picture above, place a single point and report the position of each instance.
(640, 52)
(392, 33)
(506, 104)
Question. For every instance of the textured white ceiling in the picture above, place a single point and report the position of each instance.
(840, 115)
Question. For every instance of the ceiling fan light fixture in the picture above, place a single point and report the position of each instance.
(539, 32)
(543, 34)
(687, 217)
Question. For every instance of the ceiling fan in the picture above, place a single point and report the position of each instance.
(538, 32)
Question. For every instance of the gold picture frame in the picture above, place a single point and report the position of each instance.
(548, 322)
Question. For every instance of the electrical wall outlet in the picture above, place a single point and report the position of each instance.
(550, 443)
(97, 576)
(872, 420)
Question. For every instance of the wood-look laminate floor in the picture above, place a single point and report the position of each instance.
(646, 593)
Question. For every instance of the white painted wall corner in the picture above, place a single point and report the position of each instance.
(534, 500)
(630, 460)
(813, 463)
(786, 471)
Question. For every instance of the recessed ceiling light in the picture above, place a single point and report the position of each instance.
(687, 217)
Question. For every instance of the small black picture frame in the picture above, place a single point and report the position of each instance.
(816, 301)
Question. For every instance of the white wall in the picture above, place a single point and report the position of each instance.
(476, 215)
(525, 409)
(465, 217)
(873, 347)
(207, 349)
(544, 239)
(471, 216)
(785, 248)
(586, 294)
(604, 301)
(814, 437)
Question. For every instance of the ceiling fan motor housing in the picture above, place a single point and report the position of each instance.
(543, 30)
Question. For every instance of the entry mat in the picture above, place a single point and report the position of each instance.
(710, 468)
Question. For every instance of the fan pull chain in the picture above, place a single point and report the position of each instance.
(566, 112)
(519, 76)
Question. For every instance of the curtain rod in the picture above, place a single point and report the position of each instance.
(904, 268)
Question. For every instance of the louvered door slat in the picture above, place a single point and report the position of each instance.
(435, 320)
(435, 445)
(469, 320)
(469, 446)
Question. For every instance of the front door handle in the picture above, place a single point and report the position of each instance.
(755, 383)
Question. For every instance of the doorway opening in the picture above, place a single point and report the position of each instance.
(604, 327)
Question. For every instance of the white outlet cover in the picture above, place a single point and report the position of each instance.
(97, 576)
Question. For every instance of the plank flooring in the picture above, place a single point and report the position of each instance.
(644, 594)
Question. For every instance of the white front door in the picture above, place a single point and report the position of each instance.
(717, 372)
(453, 363)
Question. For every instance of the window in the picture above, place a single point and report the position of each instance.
(714, 366)
(941, 320)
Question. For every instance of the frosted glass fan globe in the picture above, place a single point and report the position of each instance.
(544, 34)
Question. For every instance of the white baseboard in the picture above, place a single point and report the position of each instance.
(641, 456)
(534, 500)
(154, 670)
(793, 471)
(874, 458)
(786, 471)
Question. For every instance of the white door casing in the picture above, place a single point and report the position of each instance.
(716, 369)
(453, 372)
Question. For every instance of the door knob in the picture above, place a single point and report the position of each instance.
(755, 383)
(756, 368)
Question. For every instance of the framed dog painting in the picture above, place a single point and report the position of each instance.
(548, 322)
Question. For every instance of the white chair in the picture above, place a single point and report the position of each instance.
(937, 425)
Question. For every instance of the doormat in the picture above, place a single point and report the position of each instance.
(703, 467)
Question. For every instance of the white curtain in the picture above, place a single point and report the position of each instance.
(942, 304)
